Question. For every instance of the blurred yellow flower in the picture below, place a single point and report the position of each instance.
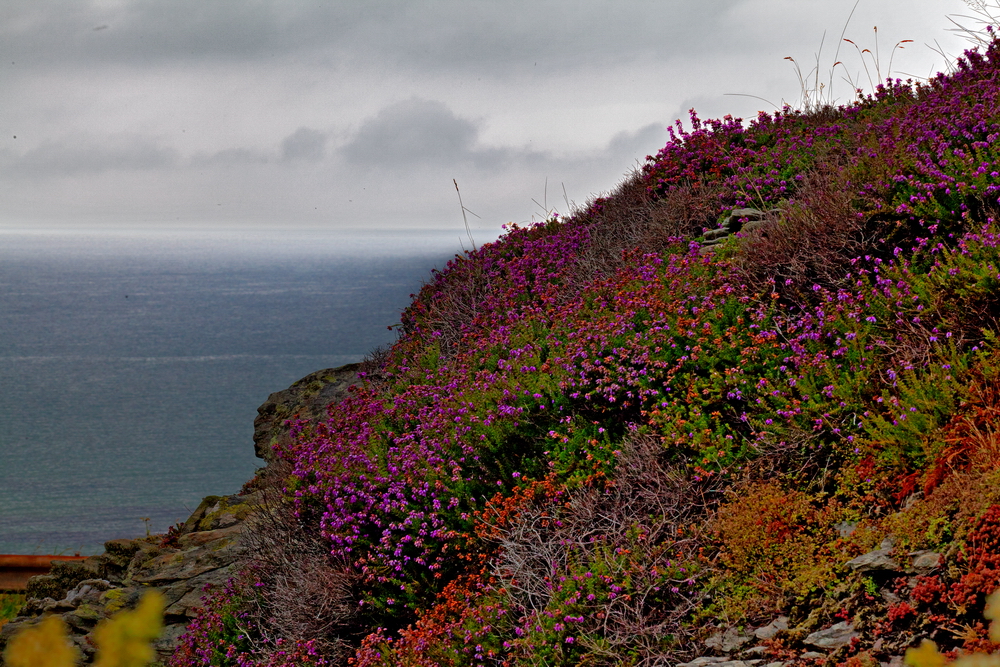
(44, 645)
(124, 640)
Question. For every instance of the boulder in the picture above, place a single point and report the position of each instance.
(728, 641)
(732, 221)
(715, 234)
(308, 398)
(725, 661)
(878, 560)
(771, 629)
(834, 637)
(925, 560)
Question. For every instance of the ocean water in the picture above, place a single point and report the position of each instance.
(132, 362)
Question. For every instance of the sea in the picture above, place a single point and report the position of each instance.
(133, 360)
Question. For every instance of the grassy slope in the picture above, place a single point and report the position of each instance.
(594, 444)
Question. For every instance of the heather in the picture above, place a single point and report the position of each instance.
(598, 441)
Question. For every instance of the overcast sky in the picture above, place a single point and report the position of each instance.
(360, 113)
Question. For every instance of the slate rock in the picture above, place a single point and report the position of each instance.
(186, 564)
(185, 597)
(874, 561)
(771, 629)
(121, 552)
(925, 560)
(752, 225)
(701, 661)
(878, 560)
(834, 637)
(307, 398)
(168, 641)
(63, 576)
(728, 640)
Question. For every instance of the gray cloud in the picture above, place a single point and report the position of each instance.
(304, 144)
(496, 39)
(231, 157)
(500, 95)
(89, 154)
(412, 132)
(427, 133)
(637, 144)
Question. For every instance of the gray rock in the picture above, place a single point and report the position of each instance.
(925, 560)
(186, 597)
(889, 596)
(701, 661)
(748, 213)
(732, 222)
(812, 655)
(725, 661)
(168, 641)
(876, 561)
(715, 234)
(189, 563)
(771, 629)
(728, 641)
(834, 637)
(181, 573)
(308, 398)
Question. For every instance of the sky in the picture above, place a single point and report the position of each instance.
(359, 114)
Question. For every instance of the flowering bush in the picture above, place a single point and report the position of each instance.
(547, 466)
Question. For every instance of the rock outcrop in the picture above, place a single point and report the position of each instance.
(739, 220)
(183, 565)
(308, 399)
(191, 559)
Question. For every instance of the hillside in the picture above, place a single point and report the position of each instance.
(744, 406)
(635, 435)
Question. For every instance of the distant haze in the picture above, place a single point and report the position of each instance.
(360, 113)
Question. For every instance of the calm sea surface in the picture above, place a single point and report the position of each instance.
(132, 363)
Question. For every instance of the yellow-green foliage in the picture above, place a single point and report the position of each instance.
(10, 603)
(122, 641)
(774, 541)
(927, 654)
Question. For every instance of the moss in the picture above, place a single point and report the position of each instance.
(117, 599)
(213, 519)
(120, 552)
